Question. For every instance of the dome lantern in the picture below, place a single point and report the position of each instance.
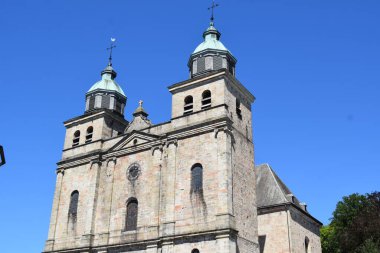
(211, 54)
(106, 93)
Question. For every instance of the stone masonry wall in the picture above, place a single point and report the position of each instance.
(274, 226)
(244, 181)
(302, 226)
(217, 97)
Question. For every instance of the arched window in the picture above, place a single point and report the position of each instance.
(238, 109)
(306, 244)
(132, 211)
(195, 251)
(73, 208)
(188, 107)
(89, 132)
(206, 99)
(76, 138)
(196, 178)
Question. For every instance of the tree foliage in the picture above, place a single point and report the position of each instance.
(355, 226)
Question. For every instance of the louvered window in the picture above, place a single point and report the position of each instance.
(89, 132)
(201, 66)
(76, 138)
(206, 99)
(188, 107)
(92, 103)
(218, 62)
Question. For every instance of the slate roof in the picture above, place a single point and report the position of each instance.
(270, 189)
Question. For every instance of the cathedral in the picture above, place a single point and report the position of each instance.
(188, 185)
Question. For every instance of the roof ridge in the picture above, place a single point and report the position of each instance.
(276, 180)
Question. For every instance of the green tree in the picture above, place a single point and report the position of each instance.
(328, 240)
(369, 246)
(355, 226)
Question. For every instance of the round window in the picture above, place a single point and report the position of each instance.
(134, 171)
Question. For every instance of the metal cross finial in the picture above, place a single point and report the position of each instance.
(212, 7)
(141, 103)
(110, 48)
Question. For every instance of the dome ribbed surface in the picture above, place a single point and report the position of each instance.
(106, 84)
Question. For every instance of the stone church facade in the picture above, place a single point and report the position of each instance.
(186, 185)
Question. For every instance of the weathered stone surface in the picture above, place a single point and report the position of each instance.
(222, 217)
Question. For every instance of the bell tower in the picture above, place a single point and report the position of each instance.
(186, 185)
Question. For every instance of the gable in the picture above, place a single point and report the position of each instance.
(270, 188)
(134, 139)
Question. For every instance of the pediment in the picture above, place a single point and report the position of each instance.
(135, 138)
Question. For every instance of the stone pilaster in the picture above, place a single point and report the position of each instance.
(151, 248)
(168, 178)
(167, 247)
(224, 244)
(94, 174)
(55, 209)
(105, 205)
(225, 190)
(156, 164)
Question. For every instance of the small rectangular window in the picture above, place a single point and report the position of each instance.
(238, 109)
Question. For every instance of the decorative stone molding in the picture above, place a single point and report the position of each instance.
(97, 162)
(154, 148)
(225, 129)
(110, 167)
(60, 171)
(111, 159)
(172, 141)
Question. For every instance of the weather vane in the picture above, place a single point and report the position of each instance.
(110, 48)
(212, 7)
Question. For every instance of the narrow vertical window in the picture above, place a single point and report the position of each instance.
(306, 244)
(188, 107)
(76, 138)
(206, 99)
(132, 211)
(73, 208)
(89, 132)
(197, 178)
(238, 108)
(262, 239)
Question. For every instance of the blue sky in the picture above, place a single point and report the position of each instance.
(313, 66)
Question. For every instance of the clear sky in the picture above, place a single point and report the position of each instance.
(313, 66)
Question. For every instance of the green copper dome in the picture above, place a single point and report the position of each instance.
(211, 40)
(107, 82)
(211, 55)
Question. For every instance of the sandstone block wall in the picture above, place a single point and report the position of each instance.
(171, 218)
(274, 226)
(302, 226)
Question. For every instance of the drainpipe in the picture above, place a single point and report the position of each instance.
(289, 235)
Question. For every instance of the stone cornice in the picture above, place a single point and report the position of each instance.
(284, 207)
(203, 110)
(197, 81)
(210, 77)
(92, 116)
(217, 233)
(79, 160)
(196, 129)
(223, 123)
